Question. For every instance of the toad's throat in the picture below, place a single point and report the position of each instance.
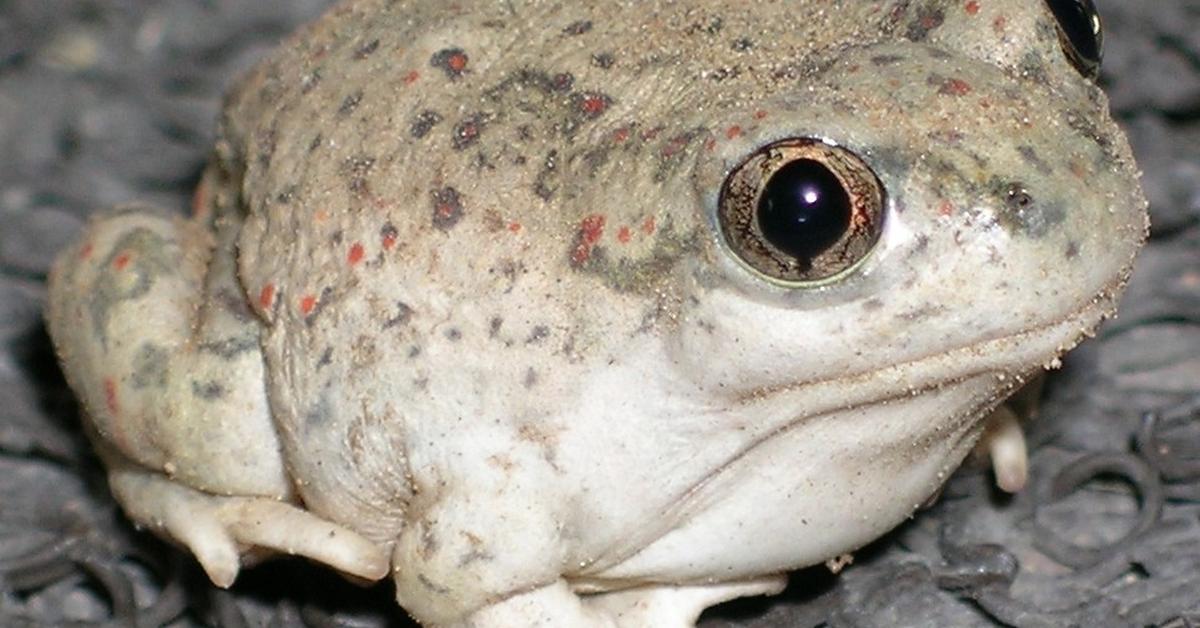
(1006, 359)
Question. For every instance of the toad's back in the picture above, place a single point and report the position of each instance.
(438, 195)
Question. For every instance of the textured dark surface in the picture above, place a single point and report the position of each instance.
(105, 101)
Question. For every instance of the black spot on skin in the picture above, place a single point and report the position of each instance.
(423, 123)
(149, 367)
(562, 82)
(147, 257)
(1031, 157)
(388, 232)
(365, 50)
(326, 358)
(453, 334)
(452, 61)
(229, 348)
(742, 44)
(1033, 68)
(429, 584)
(541, 184)
(1072, 251)
(467, 131)
(724, 73)
(350, 103)
(494, 326)
(537, 335)
(403, 314)
(318, 414)
(531, 378)
(886, 59)
(603, 60)
(927, 20)
(208, 391)
(578, 28)
(711, 27)
(447, 208)
(336, 238)
(356, 168)
(315, 143)
(414, 351)
(1083, 125)
(323, 300)
(474, 556)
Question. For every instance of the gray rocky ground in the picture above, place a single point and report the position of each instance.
(104, 101)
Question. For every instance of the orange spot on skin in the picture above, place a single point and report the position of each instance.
(457, 62)
(972, 7)
(355, 255)
(621, 134)
(266, 296)
(760, 114)
(86, 251)
(648, 225)
(624, 234)
(411, 77)
(514, 227)
(320, 215)
(110, 396)
(200, 200)
(121, 261)
(308, 303)
(999, 24)
(650, 134)
(733, 132)
(946, 208)
(674, 146)
(593, 105)
(591, 229)
(955, 87)
(710, 144)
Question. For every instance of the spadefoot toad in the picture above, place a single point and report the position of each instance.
(593, 314)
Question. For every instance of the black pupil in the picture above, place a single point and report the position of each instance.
(804, 210)
(1077, 18)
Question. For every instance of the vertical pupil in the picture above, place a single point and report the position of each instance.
(803, 210)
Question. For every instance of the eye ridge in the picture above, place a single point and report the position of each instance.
(741, 206)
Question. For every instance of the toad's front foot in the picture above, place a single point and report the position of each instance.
(650, 606)
(219, 530)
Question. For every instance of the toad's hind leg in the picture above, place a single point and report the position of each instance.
(156, 340)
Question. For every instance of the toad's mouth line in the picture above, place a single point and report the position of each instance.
(880, 386)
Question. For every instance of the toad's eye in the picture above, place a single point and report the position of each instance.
(1080, 33)
(800, 211)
